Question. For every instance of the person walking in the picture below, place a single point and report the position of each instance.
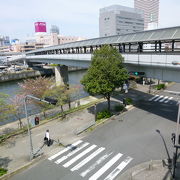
(47, 137)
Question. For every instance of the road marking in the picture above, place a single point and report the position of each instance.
(119, 168)
(64, 150)
(166, 97)
(71, 153)
(79, 156)
(99, 161)
(153, 97)
(105, 167)
(86, 160)
(158, 98)
(168, 100)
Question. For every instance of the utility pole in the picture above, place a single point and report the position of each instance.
(49, 101)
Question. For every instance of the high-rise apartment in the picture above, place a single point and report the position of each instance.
(151, 11)
(118, 20)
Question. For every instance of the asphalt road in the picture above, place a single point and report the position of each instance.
(119, 144)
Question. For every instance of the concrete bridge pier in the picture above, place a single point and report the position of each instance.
(61, 75)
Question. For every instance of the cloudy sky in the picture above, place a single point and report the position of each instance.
(73, 17)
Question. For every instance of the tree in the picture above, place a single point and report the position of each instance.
(37, 86)
(106, 73)
(17, 103)
(59, 93)
(5, 108)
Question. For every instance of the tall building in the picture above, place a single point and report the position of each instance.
(151, 12)
(4, 41)
(54, 29)
(118, 20)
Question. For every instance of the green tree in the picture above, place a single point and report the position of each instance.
(59, 93)
(106, 73)
(5, 109)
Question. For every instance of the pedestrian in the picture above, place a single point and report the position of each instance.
(47, 137)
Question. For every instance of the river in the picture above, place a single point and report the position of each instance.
(11, 88)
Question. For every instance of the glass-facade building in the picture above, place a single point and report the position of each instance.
(150, 9)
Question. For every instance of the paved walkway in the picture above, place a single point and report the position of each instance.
(15, 151)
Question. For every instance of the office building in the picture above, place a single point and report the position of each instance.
(54, 29)
(118, 20)
(4, 41)
(151, 12)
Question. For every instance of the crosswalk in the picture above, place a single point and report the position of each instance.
(90, 161)
(161, 98)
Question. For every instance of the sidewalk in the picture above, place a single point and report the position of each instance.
(152, 170)
(16, 150)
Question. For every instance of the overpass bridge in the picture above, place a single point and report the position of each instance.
(155, 52)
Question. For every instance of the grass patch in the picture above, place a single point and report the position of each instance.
(3, 171)
(128, 101)
(118, 108)
(104, 114)
(160, 86)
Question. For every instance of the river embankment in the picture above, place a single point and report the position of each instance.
(25, 74)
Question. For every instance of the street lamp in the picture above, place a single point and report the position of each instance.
(169, 159)
(29, 130)
(178, 116)
(176, 144)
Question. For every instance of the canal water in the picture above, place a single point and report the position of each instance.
(12, 88)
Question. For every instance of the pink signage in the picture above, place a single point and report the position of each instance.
(40, 26)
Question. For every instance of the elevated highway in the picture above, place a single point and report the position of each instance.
(155, 52)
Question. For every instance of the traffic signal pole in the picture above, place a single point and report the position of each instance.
(28, 126)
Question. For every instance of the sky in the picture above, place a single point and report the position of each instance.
(73, 17)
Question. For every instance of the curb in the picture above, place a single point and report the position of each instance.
(130, 173)
(8, 175)
(130, 107)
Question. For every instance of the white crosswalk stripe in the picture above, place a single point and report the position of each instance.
(168, 100)
(158, 98)
(64, 150)
(79, 156)
(92, 167)
(153, 97)
(99, 161)
(163, 99)
(119, 168)
(71, 153)
(82, 163)
(105, 167)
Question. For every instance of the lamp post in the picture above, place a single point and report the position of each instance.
(169, 159)
(29, 130)
(176, 145)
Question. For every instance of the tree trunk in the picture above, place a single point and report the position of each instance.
(62, 110)
(69, 103)
(109, 102)
(20, 123)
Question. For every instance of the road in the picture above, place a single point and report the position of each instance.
(119, 144)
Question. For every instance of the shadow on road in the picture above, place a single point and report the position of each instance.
(140, 100)
(4, 161)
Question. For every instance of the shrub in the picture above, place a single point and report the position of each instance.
(128, 101)
(3, 171)
(118, 108)
(104, 114)
(160, 86)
